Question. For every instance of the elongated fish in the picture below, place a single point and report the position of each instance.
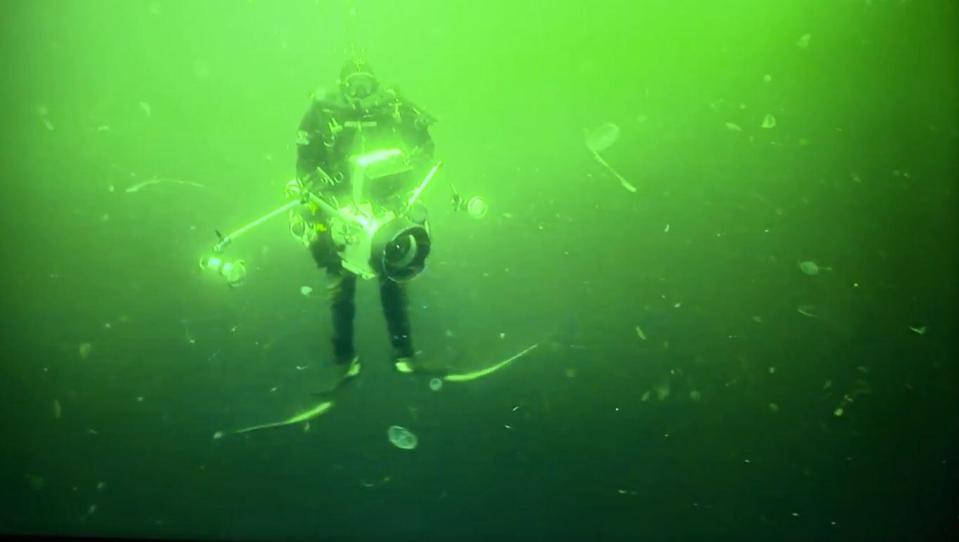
(298, 418)
(140, 186)
(483, 372)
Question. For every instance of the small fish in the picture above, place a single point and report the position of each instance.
(920, 330)
(807, 310)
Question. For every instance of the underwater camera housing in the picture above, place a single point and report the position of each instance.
(387, 245)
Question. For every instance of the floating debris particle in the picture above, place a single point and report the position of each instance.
(147, 110)
(35, 482)
(920, 330)
(101, 486)
(773, 407)
(838, 412)
(767, 78)
(218, 435)
(639, 333)
(666, 229)
(733, 127)
(370, 484)
(695, 396)
(645, 397)
(85, 349)
(57, 409)
(769, 121)
(662, 391)
(803, 41)
(306, 290)
(436, 384)
(807, 310)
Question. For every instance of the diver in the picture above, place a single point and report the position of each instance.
(339, 129)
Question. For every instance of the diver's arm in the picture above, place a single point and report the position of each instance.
(311, 153)
(416, 125)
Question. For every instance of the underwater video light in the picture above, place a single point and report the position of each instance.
(233, 271)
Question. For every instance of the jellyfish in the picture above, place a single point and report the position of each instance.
(598, 140)
(477, 207)
(602, 137)
(402, 438)
(810, 267)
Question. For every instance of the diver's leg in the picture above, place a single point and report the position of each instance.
(341, 289)
(396, 310)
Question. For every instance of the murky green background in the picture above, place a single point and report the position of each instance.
(720, 425)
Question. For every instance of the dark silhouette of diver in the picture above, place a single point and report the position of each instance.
(362, 116)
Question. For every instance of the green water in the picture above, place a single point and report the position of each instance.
(691, 383)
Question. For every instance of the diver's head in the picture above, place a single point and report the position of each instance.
(357, 81)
